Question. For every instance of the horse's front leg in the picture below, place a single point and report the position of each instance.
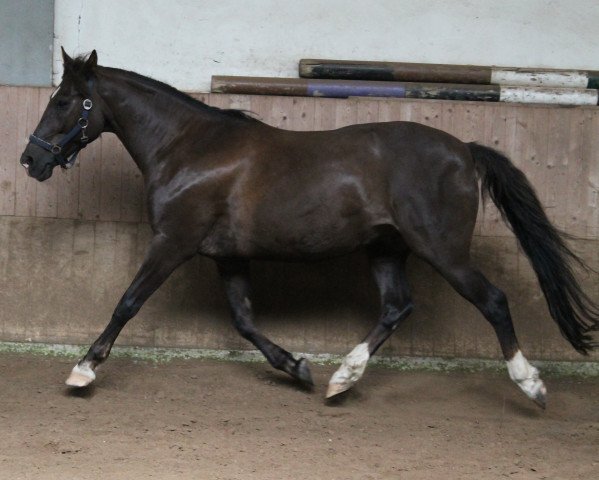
(235, 275)
(162, 259)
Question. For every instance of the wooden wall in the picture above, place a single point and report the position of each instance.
(80, 210)
(557, 148)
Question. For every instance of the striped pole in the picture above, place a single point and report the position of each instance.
(304, 87)
(439, 73)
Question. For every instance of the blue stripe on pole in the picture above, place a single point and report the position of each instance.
(341, 90)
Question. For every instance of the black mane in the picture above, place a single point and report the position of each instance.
(77, 69)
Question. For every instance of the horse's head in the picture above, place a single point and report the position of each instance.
(71, 120)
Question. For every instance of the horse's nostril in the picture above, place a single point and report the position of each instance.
(26, 161)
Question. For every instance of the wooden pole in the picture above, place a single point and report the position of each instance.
(304, 87)
(351, 88)
(424, 72)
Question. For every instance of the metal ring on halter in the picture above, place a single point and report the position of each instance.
(87, 104)
(83, 122)
(56, 149)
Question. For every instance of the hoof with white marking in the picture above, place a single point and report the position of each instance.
(534, 388)
(527, 378)
(81, 376)
(350, 371)
(335, 389)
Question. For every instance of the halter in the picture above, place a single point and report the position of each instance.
(81, 126)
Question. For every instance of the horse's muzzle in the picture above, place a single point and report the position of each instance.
(26, 161)
(40, 170)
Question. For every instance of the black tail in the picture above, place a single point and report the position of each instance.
(551, 259)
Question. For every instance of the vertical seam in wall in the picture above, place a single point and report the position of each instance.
(53, 68)
(79, 24)
(52, 44)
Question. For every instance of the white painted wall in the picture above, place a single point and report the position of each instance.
(184, 42)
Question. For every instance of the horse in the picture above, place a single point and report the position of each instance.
(222, 184)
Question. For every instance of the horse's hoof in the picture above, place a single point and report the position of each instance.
(527, 378)
(541, 398)
(81, 376)
(335, 389)
(302, 372)
(351, 370)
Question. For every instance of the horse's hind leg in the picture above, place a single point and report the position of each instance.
(161, 259)
(389, 275)
(235, 275)
(492, 303)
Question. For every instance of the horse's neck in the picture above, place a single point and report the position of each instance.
(146, 121)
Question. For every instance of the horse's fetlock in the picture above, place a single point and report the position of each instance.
(100, 353)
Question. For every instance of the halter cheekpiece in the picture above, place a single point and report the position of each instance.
(81, 126)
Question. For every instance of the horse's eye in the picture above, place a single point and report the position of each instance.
(62, 104)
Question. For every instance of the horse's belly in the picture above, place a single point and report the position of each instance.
(313, 244)
(314, 236)
(331, 223)
(328, 213)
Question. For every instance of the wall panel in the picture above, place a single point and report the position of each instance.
(72, 244)
(556, 147)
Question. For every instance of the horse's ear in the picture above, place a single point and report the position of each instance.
(66, 60)
(92, 60)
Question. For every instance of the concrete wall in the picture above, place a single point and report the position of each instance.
(26, 37)
(62, 278)
(71, 245)
(184, 42)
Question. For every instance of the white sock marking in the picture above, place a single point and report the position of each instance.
(85, 370)
(81, 375)
(525, 375)
(353, 366)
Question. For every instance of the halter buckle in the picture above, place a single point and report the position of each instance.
(56, 149)
(87, 104)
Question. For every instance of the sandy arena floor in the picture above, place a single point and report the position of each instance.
(216, 420)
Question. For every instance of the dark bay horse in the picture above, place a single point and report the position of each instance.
(222, 184)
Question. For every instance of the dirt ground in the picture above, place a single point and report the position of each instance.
(220, 420)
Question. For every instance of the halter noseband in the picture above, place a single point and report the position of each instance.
(80, 127)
